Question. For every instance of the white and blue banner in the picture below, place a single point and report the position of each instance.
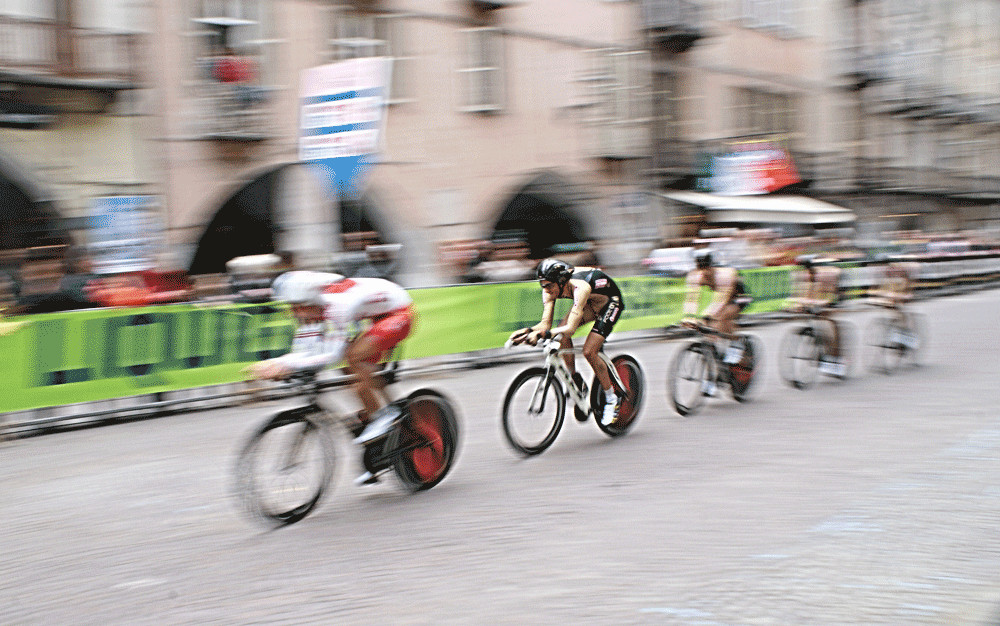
(343, 108)
(124, 233)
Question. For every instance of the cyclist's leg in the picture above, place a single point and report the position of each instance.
(566, 342)
(725, 320)
(363, 356)
(591, 351)
(834, 344)
(367, 351)
(604, 323)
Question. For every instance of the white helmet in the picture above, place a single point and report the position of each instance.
(301, 287)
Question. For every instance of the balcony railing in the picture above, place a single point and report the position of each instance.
(673, 24)
(48, 48)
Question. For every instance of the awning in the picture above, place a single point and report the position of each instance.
(773, 209)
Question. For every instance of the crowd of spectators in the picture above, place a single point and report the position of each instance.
(50, 278)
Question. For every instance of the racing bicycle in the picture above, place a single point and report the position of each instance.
(890, 343)
(698, 369)
(535, 405)
(287, 465)
(808, 345)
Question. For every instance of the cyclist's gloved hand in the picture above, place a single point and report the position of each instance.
(519, 336)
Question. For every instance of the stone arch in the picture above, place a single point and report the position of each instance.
(549, 213)
(29, 217)
(251, 219)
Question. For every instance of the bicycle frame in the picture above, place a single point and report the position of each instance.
(555, 364)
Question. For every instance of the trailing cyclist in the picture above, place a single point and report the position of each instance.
(596, 298)
(894, 293)
(729, 298)
(328, 307)
(817, 292)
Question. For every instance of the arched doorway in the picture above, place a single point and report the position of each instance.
(25, 221)
(547, 214)
(284, 209)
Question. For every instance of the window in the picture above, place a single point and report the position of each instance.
(621, 84)
(357, 34)
(483, 75)
(756, 112)
(778, 15)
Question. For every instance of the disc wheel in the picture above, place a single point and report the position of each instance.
(286, 467)
(800, 353)
(533, 411)
(425, 444)
(692, 368)
(632, 377)
(744, 374)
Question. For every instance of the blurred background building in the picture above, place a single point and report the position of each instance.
(167, 132)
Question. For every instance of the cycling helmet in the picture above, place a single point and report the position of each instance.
(703, 258)
(554, 271)
(303, 287)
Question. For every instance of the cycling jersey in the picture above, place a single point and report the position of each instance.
(822, 287)
(601, 284)
(345, 303)
(728, 288)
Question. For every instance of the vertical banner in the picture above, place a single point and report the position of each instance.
(343, 107)
(124, 233)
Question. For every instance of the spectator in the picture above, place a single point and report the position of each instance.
(381, 261)
(78, 281)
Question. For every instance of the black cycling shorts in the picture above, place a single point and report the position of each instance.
(606, 319)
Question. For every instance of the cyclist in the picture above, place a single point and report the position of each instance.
(729, 298)
(895, 292)
(817, 292)
(328, 308)
(596, 298)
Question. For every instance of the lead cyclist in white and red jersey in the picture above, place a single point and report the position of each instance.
(328, 308)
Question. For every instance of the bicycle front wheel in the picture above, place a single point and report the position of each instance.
(632, 395)
(533, 411)
(426, 442)
(885, 346)
(286, 467)
(692, 370)
(800, 352)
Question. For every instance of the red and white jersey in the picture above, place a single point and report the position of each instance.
(345, 303)
(355, 299)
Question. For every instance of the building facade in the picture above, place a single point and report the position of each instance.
(505, 120)
(71, 122)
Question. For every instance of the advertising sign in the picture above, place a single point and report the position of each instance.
(343, 107)
(124, 232)
(759, 168)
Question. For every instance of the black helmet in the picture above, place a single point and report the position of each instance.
(554, 271)
(703, 258)
(807, 261)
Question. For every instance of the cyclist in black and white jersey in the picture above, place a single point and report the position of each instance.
(595, 298)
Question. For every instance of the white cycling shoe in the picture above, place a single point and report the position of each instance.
(381, 423)
(610, 411)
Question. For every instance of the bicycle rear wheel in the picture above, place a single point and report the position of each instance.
(630, 372)
(286, 467)
(884, 343)
(425, 443)
(533, 411)
(742, 375)
(691, 370)
(800, 353)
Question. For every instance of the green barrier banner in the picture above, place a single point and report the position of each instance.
(83, 356)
